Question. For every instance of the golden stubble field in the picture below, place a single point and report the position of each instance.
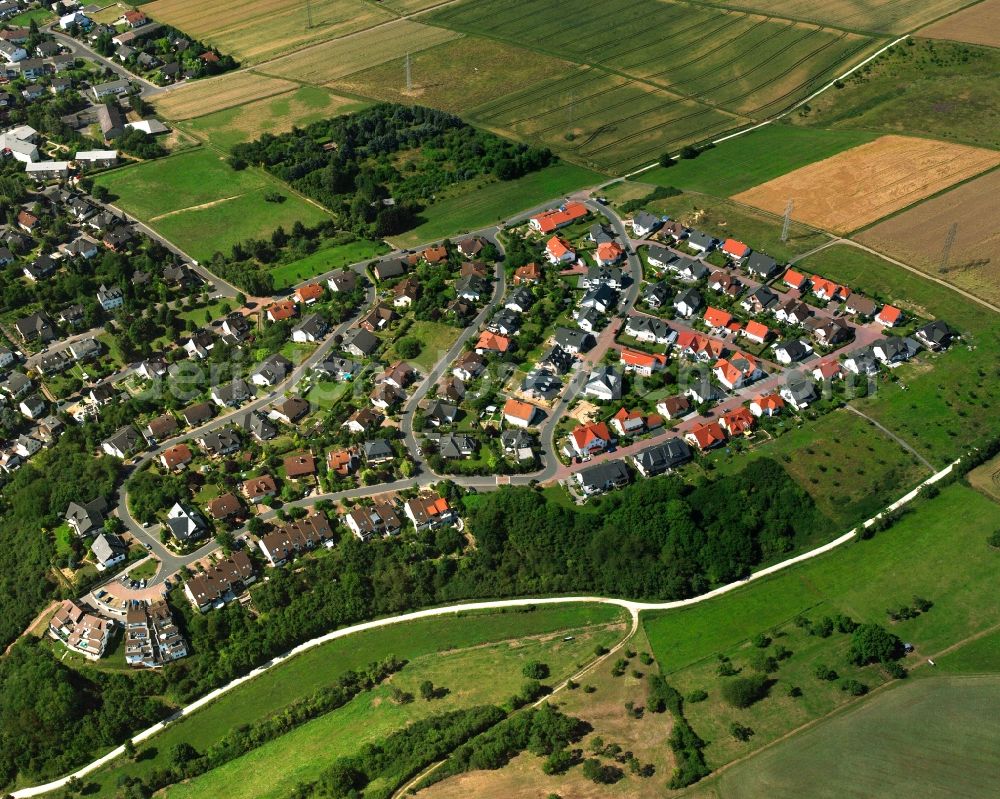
(978, 24)
(215, 94)
(257, 30)
(864, 184)
(918, 235)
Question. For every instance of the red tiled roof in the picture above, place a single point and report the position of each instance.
(311, 291)
(794, 279)
(176, 455)
(493, 342)
(609, 251)
(558, 247)
(890, 314)
(770, 402)
(283, 309)
(715, 317)
(735, 248)
(550, 220)
(757, 330)
(519, 410)
(587, 434)
(708, 435)
(633, 357)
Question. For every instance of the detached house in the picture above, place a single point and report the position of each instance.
(520, 414)
(603, 477)
(428, 511)
(589, 439)
(559, 251)
(642, 363)
(660, 458)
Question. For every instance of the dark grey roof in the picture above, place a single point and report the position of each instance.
(88, 516)
(314, 324)
(558, 359)
(257, 425)
(701, 239)
(604, 475)
(377, 449)
(364, 342)
(573, 339)
(660, 457)
(274, 368)
(937, 333)
(795, 349)
(689, 297)
(441, 412)
(108, 546)
(764, 265)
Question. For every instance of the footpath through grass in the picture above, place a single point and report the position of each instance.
(925, 554)
(321, 666)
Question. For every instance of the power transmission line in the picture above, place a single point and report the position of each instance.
(788, 220)
(949, 240)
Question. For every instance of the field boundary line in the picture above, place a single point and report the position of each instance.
(632, 606)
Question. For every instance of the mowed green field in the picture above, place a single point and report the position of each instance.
(671, 73)
(478, 205)
(202, 205)
(754, 158)
(428, 639)
(934, 738)
(925, 554)
(481, 675)
(948, 402)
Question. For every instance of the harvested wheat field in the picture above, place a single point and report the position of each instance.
(215, 94)
(862, 185)
(918, 236)
(256, 30)
(979, 24)
(350, 54)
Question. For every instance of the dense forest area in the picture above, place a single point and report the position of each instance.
(375, 169)
(660, 539)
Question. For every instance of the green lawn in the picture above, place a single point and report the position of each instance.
(23, 20)
(479, 207)
(931, 738)
(327, 393)
(144, 570)
(436, 338)
(755, 158)
(205, 313)
(947, 402)
(63, 537)
(320, 666)
(476, 676)
(325, 259)
(925, 554)
(197, 201)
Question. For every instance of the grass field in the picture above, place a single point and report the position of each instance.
(645, 737)
(979, 24)
(321, 65)
(480, 675)
(884, 16)
(911, 741)
(944, 90)
(478, 205)
(274, 115)
(866, 183)
(850, 468)
(436, 338)
(260, 29)
(926, 554)
(305, 673)
(456, 75)
(215, 94)
(325, 259)
(986, 478)
(945, 409)
(746, 161)
(917, 237)
(688, 72)
(981, 656)
(198, 202)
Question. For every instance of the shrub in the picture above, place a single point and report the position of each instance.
(994, 540)
(698, 695)
(824, 672)
(761, 641)
(739, 732)
(535, 670)
(854, 688)
(742, 692)
(408, 347)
